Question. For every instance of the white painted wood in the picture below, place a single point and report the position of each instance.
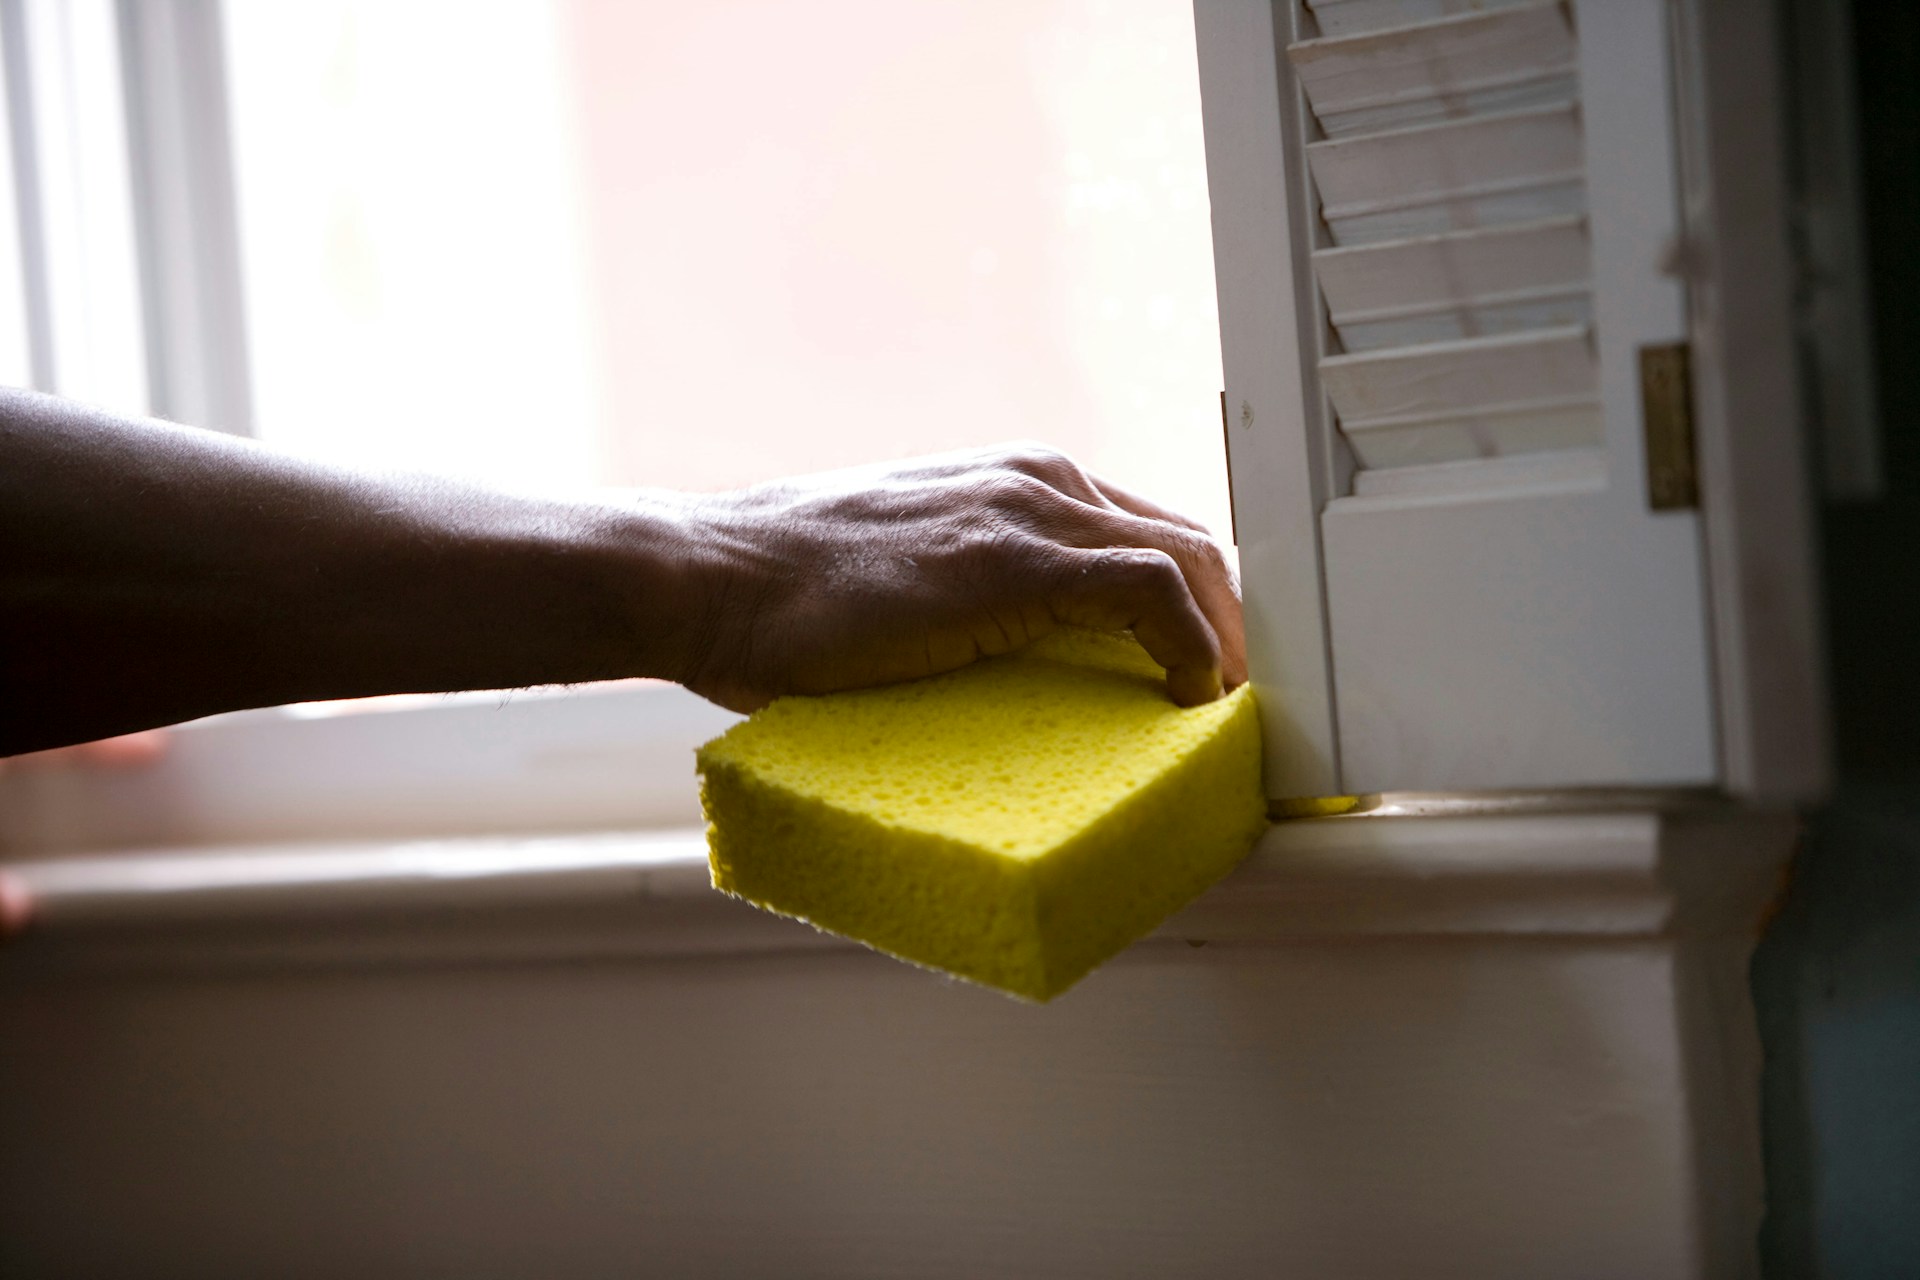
(1350, 17)
(69, 142)
(1499, 431)
(1481, 397)
(1506, 59)
(173, 63)
(1435, 159)
(1516, 628)
(1404, 381)
(1473, 318)
(1634, 219)
(1754, 478)
(612, 758)
(1513, 167)
(1536, 637)
(1409, 865)
(1488, 206)
(1559, 468)
(1466, 344)
(1463, 285)
(1278, 446)
(25, 205)
(1520, 639)
(16, 341)
(1487, 1047)
(1431, 271)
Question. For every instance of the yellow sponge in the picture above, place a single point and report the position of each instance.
(1015, 822)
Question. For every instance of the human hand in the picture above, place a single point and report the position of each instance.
(16, 906)
(881, 574)
(130, 750)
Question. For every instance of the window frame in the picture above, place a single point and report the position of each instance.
(71, 186)
(543, 761)
(186, 219)
(460, 765)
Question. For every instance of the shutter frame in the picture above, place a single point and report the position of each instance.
(1577, 637)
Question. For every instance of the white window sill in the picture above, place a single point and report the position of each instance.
(597, 758)
(1615, 873)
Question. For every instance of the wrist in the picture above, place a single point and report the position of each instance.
(473, 590)
(660, 572)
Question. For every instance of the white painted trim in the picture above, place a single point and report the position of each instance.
(1473, 62)
(17, 315)
(1755, 499)
(1277, 440)
(1354, 17)
(1554, 468)
(1627, 77)
(591, 759)
(23, 192)
(1520, 1045)
(1630, 873)
(75, 205)
(1433, 163)
(1432, 273)
(173, 63)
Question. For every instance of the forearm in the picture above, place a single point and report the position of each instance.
(151, 574)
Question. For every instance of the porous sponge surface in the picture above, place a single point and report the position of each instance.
(1015, 822)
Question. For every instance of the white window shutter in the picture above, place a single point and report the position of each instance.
(1465, 253)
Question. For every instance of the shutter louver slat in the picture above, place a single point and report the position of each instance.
(1474, 64)
(1452, 185)
(1440, 288)
(1354, 17)
(1453, 176)
(1483, 397)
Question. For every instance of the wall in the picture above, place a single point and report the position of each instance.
(1500, 1108)
(1388, 1045)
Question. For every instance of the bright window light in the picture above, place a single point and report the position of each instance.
(555, 243)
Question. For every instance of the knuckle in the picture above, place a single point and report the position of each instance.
(1017, 491)
(1205, 552)
(1035, 457)
(1146, 568)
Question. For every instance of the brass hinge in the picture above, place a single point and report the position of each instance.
(1666, 404)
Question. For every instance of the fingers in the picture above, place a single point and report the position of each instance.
(1057, 470)
(128, 751)
(1063, 473)
(1136, 505)
(1209, 578)
(1102, 514)
(16, 907)
(955, 552)
(1144, 591)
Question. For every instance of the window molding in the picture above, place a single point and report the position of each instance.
(180, 154)
(74, 204)
(1699, 870)
(576, 760)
